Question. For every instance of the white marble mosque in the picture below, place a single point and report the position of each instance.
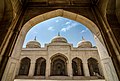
(59, 61)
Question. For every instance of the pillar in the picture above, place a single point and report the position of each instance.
(48, 66)
(106, 62)
(85, 68)
(69, 67)
(32, 68)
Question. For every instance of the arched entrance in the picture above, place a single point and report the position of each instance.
(40, 67)
(24, 66)
(77, 67)
(58, 66)
(93, 66)
(108, 68)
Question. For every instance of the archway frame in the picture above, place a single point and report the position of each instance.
(104, 56)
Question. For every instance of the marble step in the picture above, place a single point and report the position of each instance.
(54, 80)
(60, 77)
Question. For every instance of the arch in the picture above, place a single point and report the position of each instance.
(83, 20)
(24, 66)
(58, 65)
(59, 54)
(93, 66)
(40, 67)
(77, 67)
(60, 12)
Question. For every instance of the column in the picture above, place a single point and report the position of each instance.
(79, 68)
(106, 62)
(32, 68)
(85, 68)
(69, 67)
(48, 66)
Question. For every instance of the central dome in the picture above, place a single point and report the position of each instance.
(59, 39)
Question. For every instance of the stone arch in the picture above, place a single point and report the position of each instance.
(24, 66)
(58, 65)
(93, 66)
(59, 54)
(85, 21)
(77, 67)
(40, 67)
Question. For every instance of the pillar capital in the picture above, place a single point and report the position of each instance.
(85, 61)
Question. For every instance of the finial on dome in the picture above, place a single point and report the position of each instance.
(83, 38)
(58, 33)
(35, 38)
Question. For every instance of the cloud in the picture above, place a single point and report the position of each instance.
(83, 31)
(64, 29)
(57, 21)
(69, 27)
(51, 29)
(67, 23)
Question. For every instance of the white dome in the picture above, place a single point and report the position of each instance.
(33, 44)
(84, 44)
(58, 39)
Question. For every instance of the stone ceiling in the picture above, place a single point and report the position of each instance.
(63, 2)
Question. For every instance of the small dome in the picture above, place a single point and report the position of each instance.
(33, 44)
(84, 44)
(59, 39)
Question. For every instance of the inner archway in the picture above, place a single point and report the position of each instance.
(93, 66)
(58, 66)
(77, 67)
(40, 67)
(24, 66)
(105, 58)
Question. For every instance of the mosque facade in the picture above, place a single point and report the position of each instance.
(60, 60)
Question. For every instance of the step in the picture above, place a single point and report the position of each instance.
(58, 78)
(54, 80)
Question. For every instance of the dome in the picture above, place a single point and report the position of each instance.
(59, 39)
(33, 44)
(84, 44)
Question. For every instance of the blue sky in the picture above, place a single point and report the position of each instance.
(71, 30)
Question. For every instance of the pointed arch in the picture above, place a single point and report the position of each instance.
(77, 67)
(58, 65)
(24, 66)
(93, 66)
(83, 20)
(60, 12)
(40, 67)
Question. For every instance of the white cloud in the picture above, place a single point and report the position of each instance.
(67, 23)
(83, 31)
(64, 29)
(51, 29)
(69, 27)
(57, 21)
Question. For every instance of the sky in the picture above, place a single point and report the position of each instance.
(73, 31)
